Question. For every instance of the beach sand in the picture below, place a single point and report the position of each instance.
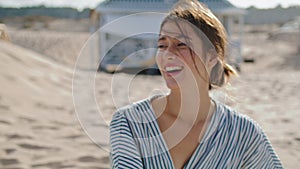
(43, 125)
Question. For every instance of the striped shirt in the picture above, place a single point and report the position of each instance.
(231, 140)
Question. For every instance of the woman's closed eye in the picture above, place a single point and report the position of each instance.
(181, 44)
(162, 46)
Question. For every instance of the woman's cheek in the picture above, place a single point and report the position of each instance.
(158, 57)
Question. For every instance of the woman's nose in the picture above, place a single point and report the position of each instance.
(170, 53)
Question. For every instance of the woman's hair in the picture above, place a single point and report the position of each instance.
(206, 22)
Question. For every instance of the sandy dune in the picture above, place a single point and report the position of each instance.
(39, 127)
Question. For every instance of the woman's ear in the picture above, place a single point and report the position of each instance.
(212, 58)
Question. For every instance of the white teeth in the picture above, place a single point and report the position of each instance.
(173, 68)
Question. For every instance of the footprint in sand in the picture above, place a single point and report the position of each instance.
(285, 120)
(26, 119)
(91, 159)
(62, 124)
(41, 127)
(9, 150)
(73, 136)
(53, 165)
(17, 136)
(4, 107)
(10, 78)
(105, 160)
(49, 107)
(95, 167)
(9, 161)
(5, 122)
(88, 159)
(36, 147)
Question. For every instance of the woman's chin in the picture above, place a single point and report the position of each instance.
(174, 82)
(172, 86)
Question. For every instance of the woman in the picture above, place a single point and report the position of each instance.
(186, 128)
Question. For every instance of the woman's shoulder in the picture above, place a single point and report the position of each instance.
(238, 120)
(134, 111)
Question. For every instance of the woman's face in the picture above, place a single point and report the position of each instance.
(180, 51)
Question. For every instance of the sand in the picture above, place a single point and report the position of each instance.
(41, 126)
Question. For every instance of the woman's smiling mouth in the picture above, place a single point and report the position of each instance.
(173, 70)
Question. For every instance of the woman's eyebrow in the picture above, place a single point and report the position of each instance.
(178, 37)
(161, 37)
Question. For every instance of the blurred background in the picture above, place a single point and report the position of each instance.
(45, 123)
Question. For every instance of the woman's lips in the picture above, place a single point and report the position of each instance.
(172, 70)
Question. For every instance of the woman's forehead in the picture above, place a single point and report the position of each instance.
(182, 30)
(176, 30)
(172, 35)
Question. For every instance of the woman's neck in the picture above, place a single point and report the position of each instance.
(188, 105)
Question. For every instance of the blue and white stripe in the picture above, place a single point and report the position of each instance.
(231, 141)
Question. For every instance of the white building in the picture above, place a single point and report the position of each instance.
(120, 38)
